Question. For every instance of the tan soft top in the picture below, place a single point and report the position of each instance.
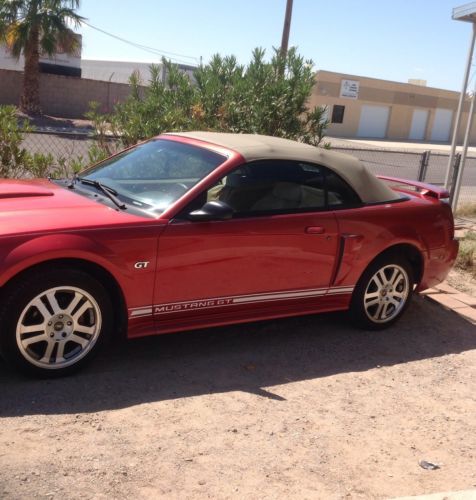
(262, 147)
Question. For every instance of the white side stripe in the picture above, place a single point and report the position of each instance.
(143, 311)
(280, 296)
(219, 302)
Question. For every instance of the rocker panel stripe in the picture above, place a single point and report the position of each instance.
(217, 302)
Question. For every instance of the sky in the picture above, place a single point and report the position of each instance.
(393, 40)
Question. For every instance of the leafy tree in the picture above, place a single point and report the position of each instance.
(162, 106)
(263, 97)
(31, 26)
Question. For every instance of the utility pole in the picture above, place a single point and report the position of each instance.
(459, 111)
(286, 28)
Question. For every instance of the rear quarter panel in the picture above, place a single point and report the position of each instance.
(369, 231)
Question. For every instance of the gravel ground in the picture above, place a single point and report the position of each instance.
(296, 408)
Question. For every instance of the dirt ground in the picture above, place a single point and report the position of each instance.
(462, 281)
(296, 408)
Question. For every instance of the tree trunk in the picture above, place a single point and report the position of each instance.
(30, 100)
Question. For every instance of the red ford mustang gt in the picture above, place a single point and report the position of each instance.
(191, 230)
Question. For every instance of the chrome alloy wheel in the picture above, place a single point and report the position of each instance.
(58, 327)
(386, 293)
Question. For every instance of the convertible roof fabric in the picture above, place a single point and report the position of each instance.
(262, 147)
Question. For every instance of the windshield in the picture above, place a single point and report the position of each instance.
(155, 174)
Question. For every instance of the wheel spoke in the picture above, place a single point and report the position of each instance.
(395, 302)
(53, 303)
(32, 328)
(79, 340)
(87, 305)
(48, 352)
(60, 352)
(372, 302)
(380, 279)
(41, 308)
(85, 329)
(378, 313)
(33, 340)
(396, 275)
(74, 302)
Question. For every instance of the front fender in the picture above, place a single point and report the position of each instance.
(17, 256)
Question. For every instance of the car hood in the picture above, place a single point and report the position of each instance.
(28, 206)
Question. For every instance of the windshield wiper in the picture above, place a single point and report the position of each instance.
(108, 191)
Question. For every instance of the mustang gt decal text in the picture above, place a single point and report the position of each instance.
(240, 299)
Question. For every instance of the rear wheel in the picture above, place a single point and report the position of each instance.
(54, 321)
(382, 293)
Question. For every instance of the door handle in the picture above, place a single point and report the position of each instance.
(315, 230)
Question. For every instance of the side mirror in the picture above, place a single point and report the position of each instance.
(212, 210)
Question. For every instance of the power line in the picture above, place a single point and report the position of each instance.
(146, 48)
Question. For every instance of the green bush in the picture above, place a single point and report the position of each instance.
(263, 97)
(16, 161)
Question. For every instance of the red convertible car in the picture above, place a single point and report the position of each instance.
(192, 230)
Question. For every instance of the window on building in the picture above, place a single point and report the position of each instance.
(338, 113)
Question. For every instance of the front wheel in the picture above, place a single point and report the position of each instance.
(382, 293)
(53, 321)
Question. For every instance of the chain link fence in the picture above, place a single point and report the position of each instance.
(423, 166)
(59, 145)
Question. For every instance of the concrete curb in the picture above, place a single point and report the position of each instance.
(64, 130)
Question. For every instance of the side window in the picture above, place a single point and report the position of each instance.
(282, 187)
(274, 187)
(271, 186)
(339, 193)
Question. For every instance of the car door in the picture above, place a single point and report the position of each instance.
(276, 256)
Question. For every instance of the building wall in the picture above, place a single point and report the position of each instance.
(69, 97)
(63, 96)
(10, 86)
(401, 98)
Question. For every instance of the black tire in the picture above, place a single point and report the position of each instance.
(375, 308)
(59, 333)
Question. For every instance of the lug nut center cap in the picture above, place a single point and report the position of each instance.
(58, 326)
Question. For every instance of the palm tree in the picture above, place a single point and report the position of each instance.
(34, 26)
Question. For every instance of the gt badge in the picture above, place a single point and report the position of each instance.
(141, 265)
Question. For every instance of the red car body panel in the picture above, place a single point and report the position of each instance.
(201, 274)
(60, 224)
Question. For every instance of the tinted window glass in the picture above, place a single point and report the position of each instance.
(157, 172)
(339, 193)
(280, 187)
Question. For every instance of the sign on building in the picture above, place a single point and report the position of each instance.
(349, 89)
